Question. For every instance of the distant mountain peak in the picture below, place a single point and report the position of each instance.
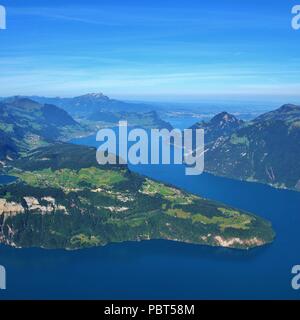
(287, 112)
(224, 117)
(220, 125)
(94, 95)
(289, 107)
(19, 98)
(19, 101)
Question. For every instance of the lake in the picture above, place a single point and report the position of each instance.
(170, 270)
(6, 179)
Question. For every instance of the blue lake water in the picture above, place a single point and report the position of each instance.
(6, 179)
(182, 122)
(163, 269)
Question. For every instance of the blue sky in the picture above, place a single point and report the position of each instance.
(150, 49)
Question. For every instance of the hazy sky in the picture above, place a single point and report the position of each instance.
(150, 49)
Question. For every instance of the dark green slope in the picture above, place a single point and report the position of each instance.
(7, 146)
(26, 124)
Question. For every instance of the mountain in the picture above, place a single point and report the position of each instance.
(287, 113)
(221, 125)
(96, 109)
(266, 150)
(90, 103)
(135, 119)
(25, 124)
(93, 102)
(64, 199)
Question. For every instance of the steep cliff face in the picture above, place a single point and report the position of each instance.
(9, 208)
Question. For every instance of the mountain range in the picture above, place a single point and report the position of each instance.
(266, 149)
(26, 124)
(62, 198)
(96, 108)
(92, 102)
